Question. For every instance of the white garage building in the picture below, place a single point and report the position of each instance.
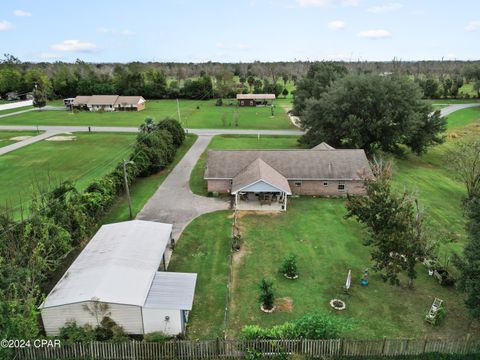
(117, 275)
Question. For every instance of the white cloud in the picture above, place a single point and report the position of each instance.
(323, 3)
(74, 46)
(22, 13)
(472, 26)
(381, 9)
(5, 25)
(337, 25)
(45, 55)
(375, 34)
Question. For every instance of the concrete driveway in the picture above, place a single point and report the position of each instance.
(174, 202)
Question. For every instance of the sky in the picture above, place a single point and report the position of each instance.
(240, 30)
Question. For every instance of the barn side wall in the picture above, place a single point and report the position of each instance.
(127, 316)
(155, 320)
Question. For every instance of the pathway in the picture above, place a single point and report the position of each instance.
(28, 141)
(174, 202)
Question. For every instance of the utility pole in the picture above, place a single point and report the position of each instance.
(178, 111)
(127, 190)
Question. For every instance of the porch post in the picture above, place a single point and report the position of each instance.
(285, 203)
(236, 200)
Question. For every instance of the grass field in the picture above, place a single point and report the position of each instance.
(327, 246)
(5, 136)
(194, 114)
(38, 166)
(143, 188)
(9, 111)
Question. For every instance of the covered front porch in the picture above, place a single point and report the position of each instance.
(261, 201)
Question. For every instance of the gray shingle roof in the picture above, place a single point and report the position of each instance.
(171, 291)
(323, 146)
(258, 170)
(292, 164)
(256, 96)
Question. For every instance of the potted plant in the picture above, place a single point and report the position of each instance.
(289, 267)
(267, 297)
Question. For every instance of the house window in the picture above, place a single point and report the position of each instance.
(341, 186)
(325, 183)
(298, 183)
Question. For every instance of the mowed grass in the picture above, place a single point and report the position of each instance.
(10, 111)
(143, 188)
(40, 166)
(6, 136)
(194, 114)
(327, 245)
(238, 142)
(205, 249)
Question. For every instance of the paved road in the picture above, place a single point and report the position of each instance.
(174, 202)
(452, 108)
(31, 140)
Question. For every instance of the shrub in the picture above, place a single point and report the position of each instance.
(157, 336)
(267, 296)
(71, 332)
(289, 266)
(310, 326)
(219, 102)
(175, 129)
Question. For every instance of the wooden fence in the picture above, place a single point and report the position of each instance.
(237, 349)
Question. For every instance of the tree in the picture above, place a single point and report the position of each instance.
(464, 160)
(469, 266)
(267, 297)
(372, 112)
(39, 98)
(174, 128)
(285, 92)
(251, 82)
(394, 224)
(319, 77)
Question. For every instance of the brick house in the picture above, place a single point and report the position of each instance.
(267, 177)
(108, 103)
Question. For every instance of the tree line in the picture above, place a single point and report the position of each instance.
(209, 80)
(33, 250)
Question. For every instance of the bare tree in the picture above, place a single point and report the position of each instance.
(465, 161)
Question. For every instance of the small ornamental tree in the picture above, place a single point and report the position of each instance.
(289, 267)
(285, 92)
(39, 98)
(267, 296)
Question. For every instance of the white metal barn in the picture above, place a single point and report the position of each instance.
(117, 275)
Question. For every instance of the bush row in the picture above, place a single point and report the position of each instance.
(33, 250)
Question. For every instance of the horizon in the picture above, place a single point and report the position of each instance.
(224, 32)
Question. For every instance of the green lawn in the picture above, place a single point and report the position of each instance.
(44, 164)
(194, 114)
(9, 111)
(6, 136)
(143, 188)
(327, 246)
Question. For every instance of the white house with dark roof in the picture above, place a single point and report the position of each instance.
(121, 268)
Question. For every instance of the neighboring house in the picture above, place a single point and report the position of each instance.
(255, 99)
(68, 102)
(262, 179)
(12, 95)
(119, 270)
(109, 103)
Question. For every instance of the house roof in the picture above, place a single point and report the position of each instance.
(129, 100)
(257, 171)
(117, 265)
(171, 291)
(256, 96)
(292, 164)
(102, 100)
(108, 100)
(323, 146)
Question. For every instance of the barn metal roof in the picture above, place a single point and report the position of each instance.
(171, 291)
(117, 265)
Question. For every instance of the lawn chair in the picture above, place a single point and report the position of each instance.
(432, 314)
